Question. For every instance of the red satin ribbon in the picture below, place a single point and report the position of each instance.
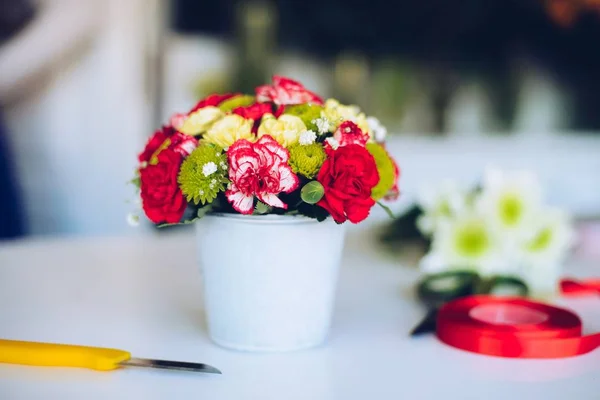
(558, 335)
(571, 287)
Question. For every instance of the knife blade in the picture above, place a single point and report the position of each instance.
(95, 358)
(167, 364)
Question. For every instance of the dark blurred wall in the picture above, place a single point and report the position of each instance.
(454, 39)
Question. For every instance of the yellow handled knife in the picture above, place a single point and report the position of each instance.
(96, 358)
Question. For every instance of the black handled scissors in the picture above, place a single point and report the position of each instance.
(435, 290)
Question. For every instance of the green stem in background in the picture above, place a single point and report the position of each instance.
(387, 210)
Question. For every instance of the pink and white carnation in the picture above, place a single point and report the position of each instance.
(177, 120)
(183, 144)
(259, 170)
(349, 133)
(285, 91)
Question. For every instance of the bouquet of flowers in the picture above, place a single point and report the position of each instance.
(281, 151)
(500, 229)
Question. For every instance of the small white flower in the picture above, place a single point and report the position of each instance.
(333, 143)
(378, 131)
(213, 181)
(307, 137)
(133, 219)
(209, 168)
(223, 166)
(201, 192)
(212, 185)
(323, 124)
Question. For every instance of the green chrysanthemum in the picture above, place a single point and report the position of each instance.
(307, 113)
(203, 174)
(385, 167)
(237, 101)
(307, 160)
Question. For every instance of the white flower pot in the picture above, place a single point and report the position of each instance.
(269, 281)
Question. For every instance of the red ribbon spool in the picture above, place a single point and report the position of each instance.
(512, 327)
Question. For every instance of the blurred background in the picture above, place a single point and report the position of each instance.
(459, 85)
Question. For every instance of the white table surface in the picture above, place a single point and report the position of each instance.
(143, 294)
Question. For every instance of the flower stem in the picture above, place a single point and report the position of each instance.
(387, 210)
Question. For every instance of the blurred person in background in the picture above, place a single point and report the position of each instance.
(14, 16)
(44, 46)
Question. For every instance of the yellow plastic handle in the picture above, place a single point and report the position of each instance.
(61, 355)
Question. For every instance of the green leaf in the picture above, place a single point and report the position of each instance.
(312, 192)
(306, 112)
(261, 208)
(202, 211)
(190, 221)
(235, 102)
(387, 210)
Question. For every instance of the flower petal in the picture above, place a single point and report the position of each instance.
(357, 211)
(334, 206)
(240, 202)
(288, 180)
(274, 147)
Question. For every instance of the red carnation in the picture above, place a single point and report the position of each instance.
(255, 111)
(286, 91)
(162, 200)
(155, 142)
(212, 100)
(279, 111)
(167, 137)
(348, 176)
(349, 133)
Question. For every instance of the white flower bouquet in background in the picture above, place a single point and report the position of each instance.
(502, 228)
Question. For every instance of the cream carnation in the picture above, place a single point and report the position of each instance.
(228, 130)
(286, 129)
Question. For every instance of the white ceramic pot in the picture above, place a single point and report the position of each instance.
(269, 281)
